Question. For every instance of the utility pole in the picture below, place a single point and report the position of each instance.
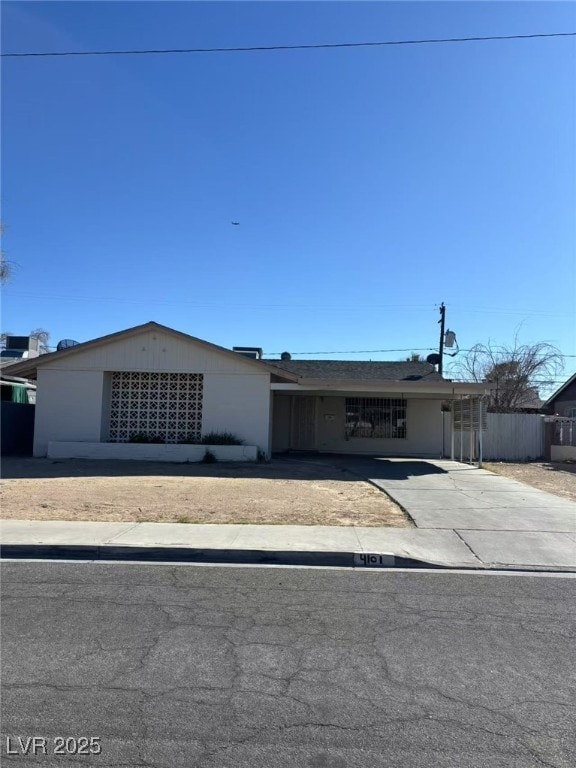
(441, 350)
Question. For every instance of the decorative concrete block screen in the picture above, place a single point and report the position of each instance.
(163, 405)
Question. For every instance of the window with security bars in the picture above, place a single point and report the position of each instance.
(375, 417)
(158, 405)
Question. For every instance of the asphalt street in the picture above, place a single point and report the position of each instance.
(225, 667)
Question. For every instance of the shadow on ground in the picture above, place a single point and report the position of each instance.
(561, 467)
(400, 469)
(285, 467)
(15, 467)
(379, 468)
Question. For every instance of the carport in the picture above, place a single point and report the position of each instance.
(388, 417)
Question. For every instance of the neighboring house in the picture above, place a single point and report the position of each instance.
(17, 398)
(16, 390)
(530, 402)
(563, 401)
(19, 348)
(156, 380)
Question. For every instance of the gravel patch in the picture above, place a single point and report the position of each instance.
(279, 492)
(557, 477)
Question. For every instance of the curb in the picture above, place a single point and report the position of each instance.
(354, 560)
(216, 556)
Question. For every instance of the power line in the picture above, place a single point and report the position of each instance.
(290, 306)
(358, 351)
(375, 351)
(124, 300)
(264, 48)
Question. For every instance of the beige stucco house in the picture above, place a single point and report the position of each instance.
(94, 397)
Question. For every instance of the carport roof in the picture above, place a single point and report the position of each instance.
(361, 370)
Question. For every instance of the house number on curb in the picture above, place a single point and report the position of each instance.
(365, 560)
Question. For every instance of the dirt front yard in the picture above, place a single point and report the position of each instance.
(558, 478)
(280, 492)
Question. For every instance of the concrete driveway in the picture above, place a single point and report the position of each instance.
(499, 519)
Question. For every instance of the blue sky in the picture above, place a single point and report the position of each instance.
(370, 184)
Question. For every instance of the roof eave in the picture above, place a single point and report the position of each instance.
(20, 369)
(390, 385)
(279, 378)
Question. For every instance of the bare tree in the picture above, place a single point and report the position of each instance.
(5, 269)
(3, 339)
(5, 265)
(518, 370)
(415, 357)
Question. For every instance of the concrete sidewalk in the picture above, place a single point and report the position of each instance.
(465, 518)
(290, 544)
(286, 544)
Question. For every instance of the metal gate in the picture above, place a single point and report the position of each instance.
(560, 438)
(303, 428)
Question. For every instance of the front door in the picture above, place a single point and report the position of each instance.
(303, 430)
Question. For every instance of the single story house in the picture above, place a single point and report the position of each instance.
(94, 399)
(563, 401)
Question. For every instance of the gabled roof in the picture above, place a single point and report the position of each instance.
(560, 390)
(359, 370)
(27, 368)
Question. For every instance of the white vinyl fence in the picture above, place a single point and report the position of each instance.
(508, 437)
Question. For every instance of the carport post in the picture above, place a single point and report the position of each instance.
(480, 432)
(452, 429)
(461, 428)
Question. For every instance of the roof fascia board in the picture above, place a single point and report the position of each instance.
(386, 385)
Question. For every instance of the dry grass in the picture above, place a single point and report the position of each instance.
(281, 492)
(558, 477)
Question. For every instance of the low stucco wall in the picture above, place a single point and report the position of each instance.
(563, 453)
(150, 451)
